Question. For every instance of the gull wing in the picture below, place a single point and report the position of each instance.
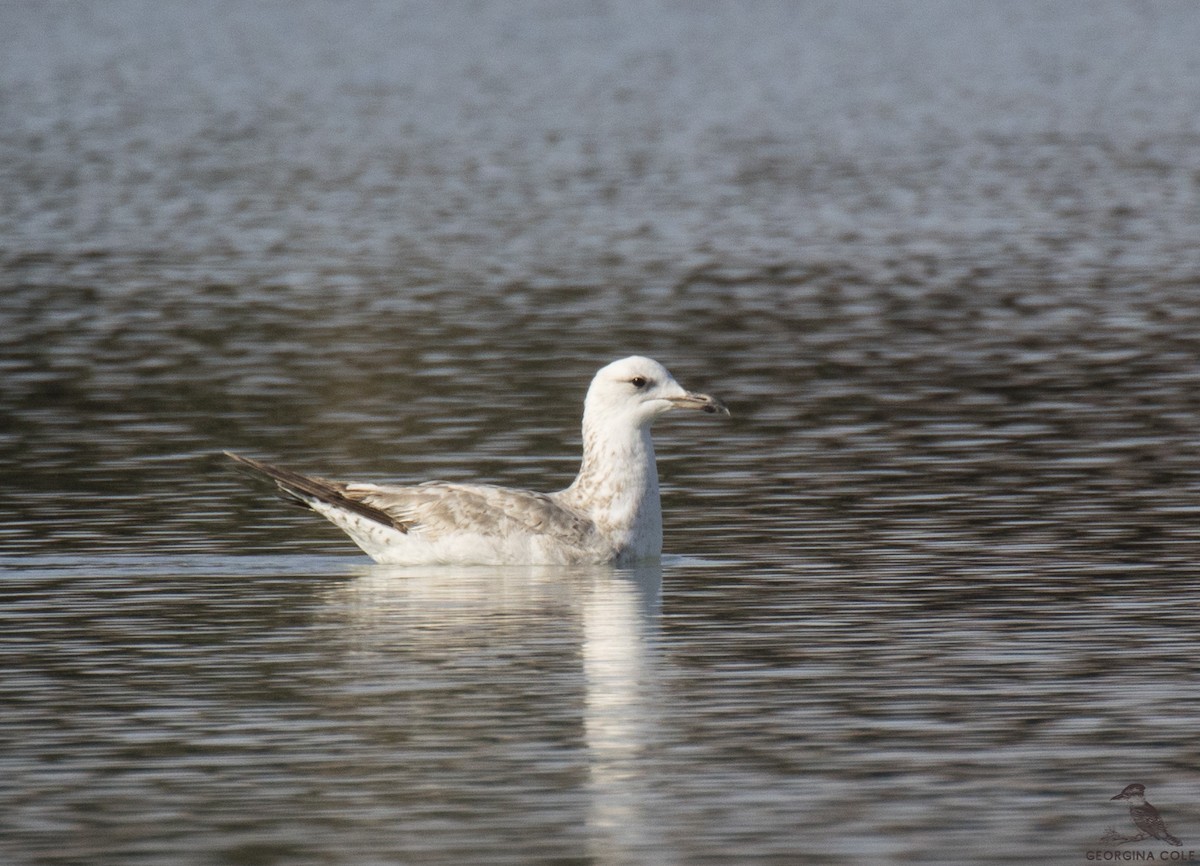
(440, 509)
(300, 489)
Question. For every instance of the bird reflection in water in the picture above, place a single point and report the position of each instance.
(470, 670)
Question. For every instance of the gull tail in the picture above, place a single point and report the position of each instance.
(303, 489)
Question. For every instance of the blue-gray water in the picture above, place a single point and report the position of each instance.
(932, 593)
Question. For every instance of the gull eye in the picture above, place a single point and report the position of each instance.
(638, 381)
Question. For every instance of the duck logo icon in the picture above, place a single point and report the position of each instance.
(1146, 819)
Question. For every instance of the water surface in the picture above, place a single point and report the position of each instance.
(931, 593)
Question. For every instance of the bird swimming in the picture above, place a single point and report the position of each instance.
(610, 513)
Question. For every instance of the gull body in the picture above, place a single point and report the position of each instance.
(610, 513)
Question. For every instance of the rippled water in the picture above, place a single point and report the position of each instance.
(931, 594)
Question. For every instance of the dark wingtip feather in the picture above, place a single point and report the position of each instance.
(298, 488)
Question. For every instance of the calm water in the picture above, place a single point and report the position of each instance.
(933, 593)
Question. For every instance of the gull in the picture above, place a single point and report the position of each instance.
(611, 513)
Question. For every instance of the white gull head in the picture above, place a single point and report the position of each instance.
(634, 391)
